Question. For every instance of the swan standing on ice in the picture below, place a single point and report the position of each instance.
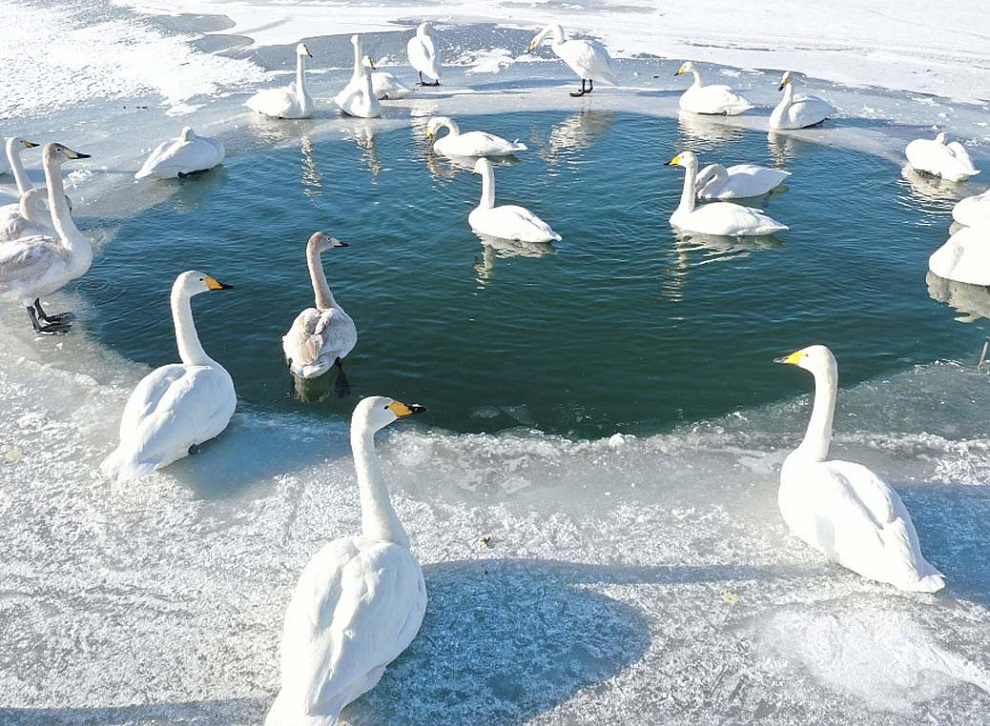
(718, 218)
(950, 161)
(973, 211)
(359, 601)
(185, 154)
(320, 337)
(798, 112)
(507, 221)
(717, 99)
(470, 143)
(38, 265)
(843, 509)
(965, 257)
(291, 102)
(358, 97)
(587, 58)
(22, 216)
(424, 55)
(177, 407)
(736, 182)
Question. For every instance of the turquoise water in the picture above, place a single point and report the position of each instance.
(622, 326)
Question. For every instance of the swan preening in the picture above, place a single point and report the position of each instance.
(323, 335)
(507, 221)
(973, 211)
(359, 601)
(358, 97)
(185, 154)
(40, 264)
(469, 143)
(965, 257)
(290, 102)
(717, 218)
(950, 161)
(177, 407)
(587, 58)
(798, 112)
(738, 181)
(843, 509)
(717, 99)
(424, 55)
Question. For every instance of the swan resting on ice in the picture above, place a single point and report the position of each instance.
(738, 181)
(798, 112)
(843, 509)
(950, 161)
(358, 98)
(507, 221)
(973, 211)
(187, 153)
(718, 99)
(469, 143)
(176, 407)
(291, 102)
(424, 55)
(965, 257)
(320, 337)
(359, 601)
(717, 218)
(587, 58)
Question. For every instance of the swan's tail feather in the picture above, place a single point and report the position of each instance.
(119, 467)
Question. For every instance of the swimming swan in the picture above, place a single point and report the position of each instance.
(507, 221)
(739, 181)
(41, 264)
(470, 143)
(176, 407)
(290, 102)
(359, 601)
(424, 55)
(718, 218)
(587, 58)
(718, 99)
(358, 97)
(965, 257)
(950, 161)
(973, 211)
(320, 337)
(843, 509)
(186, 153)
(798, 112)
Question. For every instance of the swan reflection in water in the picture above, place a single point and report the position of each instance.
(971, 301)
(495, 247)
(447, 167)
(362, 133)
(573, 134)
(935, 193)
(703, 133)
(312, 177)
(692, 250)
(785, 146)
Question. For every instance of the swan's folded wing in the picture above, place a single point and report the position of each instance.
(27, 258)
(358, 604)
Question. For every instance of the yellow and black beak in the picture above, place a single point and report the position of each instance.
(792, 360)
(674, 162)
(429, 134)
(217, 285)
(29, 144)
(679, 71)
(532, 47)
(783, 83)
(401, 410)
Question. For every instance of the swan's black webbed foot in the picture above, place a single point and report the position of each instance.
(57, 327)
(194, 449)
(60, 318)
(583, 91)
(341, 386)
(424, 83)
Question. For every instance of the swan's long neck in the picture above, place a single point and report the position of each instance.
(487, 188)
(817, 438)
(452, 128)
(358, 60)
(368, 85)
(81, 254)
(324, 298)
(378, 518)
(558, 34)
(788, 98)
(190, 349)
(688, 192)
(301, 74)
(698, 83)
(17, 168)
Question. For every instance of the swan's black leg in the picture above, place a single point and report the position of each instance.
(421, 82)
(591, 85)
(578, 94)
(50, 329)
(341, 386)
(60, 318)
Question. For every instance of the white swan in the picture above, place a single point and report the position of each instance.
(386, 86)
(798, 112)
(950, 161)
(470, 143)
(424, 55)
(843, 509)
(41, 264)
(12, 153)
(22, 216)
(973, 211)
(359, 601)
(319, 337)
(186, 153)
(507, 221)
(176, 407)
(587, 58)
(717, 218)
(358, 97)
(718, 99)
(965, 257)
(290, 102)
(738, 181)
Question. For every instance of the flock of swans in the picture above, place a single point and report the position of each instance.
(360, 600)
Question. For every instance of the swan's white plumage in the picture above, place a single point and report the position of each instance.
(589, 59)
(387, 87)
(718, 99)
(973, 211)
(468, 143)
(843, 509)
(424, 55)
(186, 153)
(507, 221)
(24, 219)
(950, 161)
(965, 257)
(716, 218)
(359, 601)
(178, 405)
(291, 102)
(358, 97)
(798, 112)
(738, 181)
(320, 335)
